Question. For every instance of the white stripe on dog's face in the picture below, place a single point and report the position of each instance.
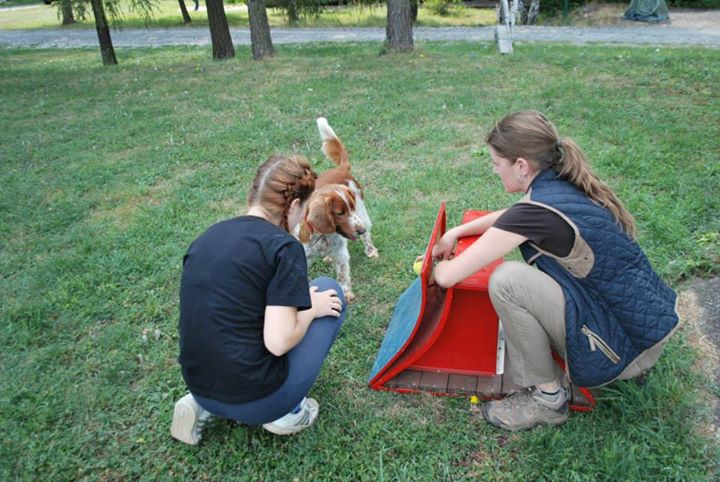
(352, 225)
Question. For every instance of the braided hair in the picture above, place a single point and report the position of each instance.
(278, 182)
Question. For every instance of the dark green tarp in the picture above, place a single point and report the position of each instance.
(647, 11)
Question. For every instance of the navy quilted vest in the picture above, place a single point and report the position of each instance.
(619, 307)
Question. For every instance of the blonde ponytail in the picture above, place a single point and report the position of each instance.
(530, 135)
(575, 168)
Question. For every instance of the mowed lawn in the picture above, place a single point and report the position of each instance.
(109, 173)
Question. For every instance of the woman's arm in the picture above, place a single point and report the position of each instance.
(492, 245)
(444, 247)
(285, 326)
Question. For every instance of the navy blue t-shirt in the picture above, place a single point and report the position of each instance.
(230, 274)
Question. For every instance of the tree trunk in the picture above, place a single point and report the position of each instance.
(292, 11)
(67, 12)
(185, 14)
(398, 33)
(103, 31)
(414, 7)
(533, 12)
(259, 30)
(219, 31)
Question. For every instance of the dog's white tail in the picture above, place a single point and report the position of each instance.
(326, 132)
(332, 146)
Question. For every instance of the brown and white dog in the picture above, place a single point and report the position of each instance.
(335, 213)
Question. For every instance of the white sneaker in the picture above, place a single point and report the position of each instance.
(188, 420)
(294, 422)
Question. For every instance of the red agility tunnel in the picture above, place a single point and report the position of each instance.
(449, 342)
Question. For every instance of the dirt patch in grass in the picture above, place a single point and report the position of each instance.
(699, 309)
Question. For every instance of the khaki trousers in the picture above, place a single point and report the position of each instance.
(531, 307)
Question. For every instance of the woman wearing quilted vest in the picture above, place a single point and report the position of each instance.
(586, 289)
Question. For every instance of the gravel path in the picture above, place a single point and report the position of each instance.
(677, 33)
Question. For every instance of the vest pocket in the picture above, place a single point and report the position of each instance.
(597, 342)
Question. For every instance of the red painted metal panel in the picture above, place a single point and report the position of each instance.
(468, 342)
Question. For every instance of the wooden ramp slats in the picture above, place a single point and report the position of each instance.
(434, 382)
(489, 386)
(462, 384)
(454, 384)
(409, 379)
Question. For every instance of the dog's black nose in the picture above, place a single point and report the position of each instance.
(360, 231)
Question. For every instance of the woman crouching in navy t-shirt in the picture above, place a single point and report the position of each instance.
(253, 332)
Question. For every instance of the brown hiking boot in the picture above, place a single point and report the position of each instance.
(526, 409)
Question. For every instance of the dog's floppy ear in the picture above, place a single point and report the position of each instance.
(319, 215)
(305, 231)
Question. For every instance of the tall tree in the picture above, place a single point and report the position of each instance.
(398, 33)
(259, 30)
(219, 31)
(530, 12)
(184, 12)
(67, 12)
(293, 12)
(524, 12)
(414, 6)
(102, 10)
(103, 31)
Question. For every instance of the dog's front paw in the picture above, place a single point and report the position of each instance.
(328, 260)
(372, 253)
(349, 296)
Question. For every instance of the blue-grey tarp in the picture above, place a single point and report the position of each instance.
(647, 11)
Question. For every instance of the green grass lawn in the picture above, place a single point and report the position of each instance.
(109, 173)
(167, 14)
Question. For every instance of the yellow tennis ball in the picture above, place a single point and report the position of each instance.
(417, 267)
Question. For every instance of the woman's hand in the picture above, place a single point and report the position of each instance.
(325, 303)
(285, 326)
(494, 244)
(443, 249)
